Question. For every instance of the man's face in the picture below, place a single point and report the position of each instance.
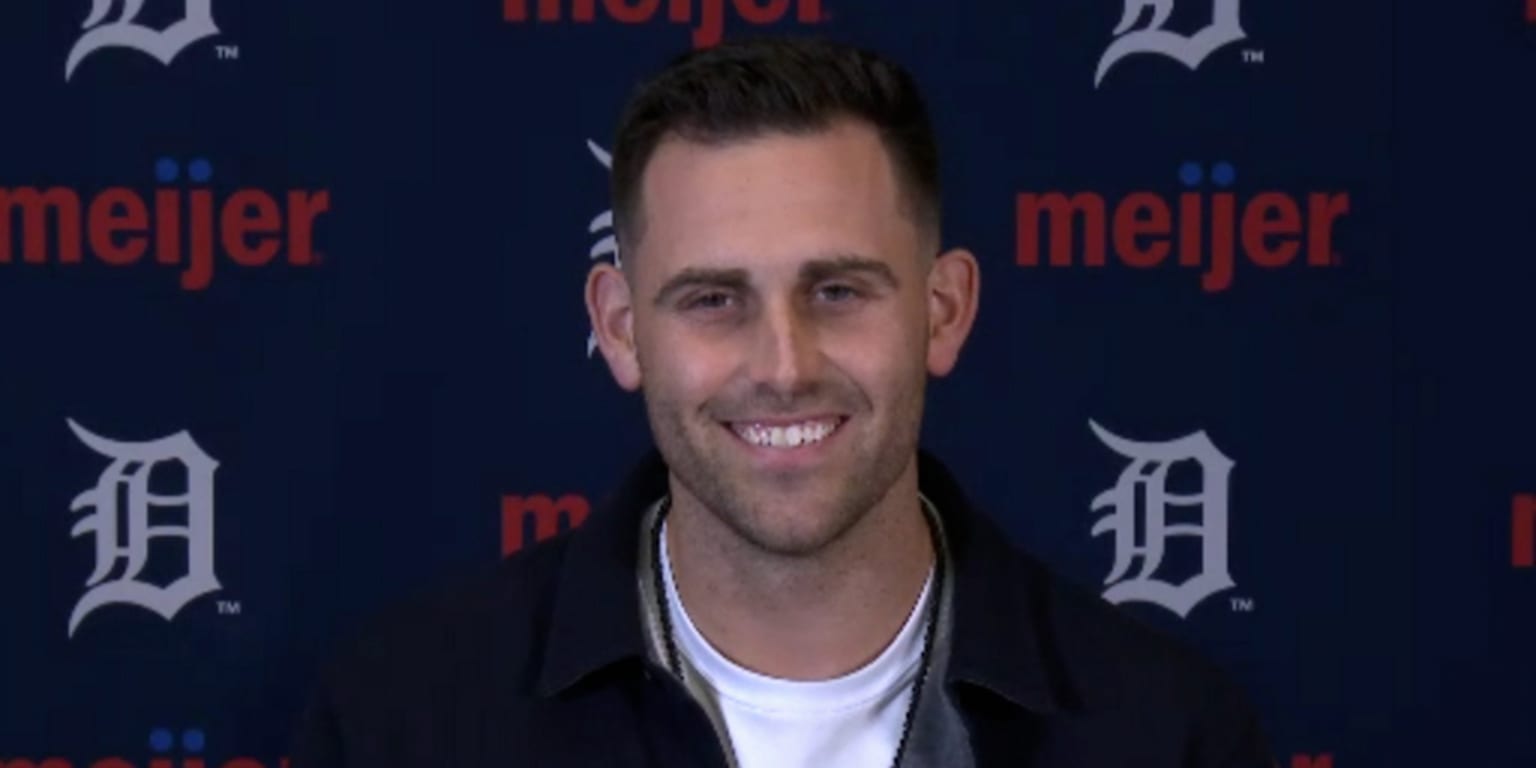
(780, 299)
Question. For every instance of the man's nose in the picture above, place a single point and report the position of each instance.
(786, 356)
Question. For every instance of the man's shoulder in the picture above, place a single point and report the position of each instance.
(1114, 658)
(1085, 615)
(1084, 648)
(1109, 652)
(478, 617)
(388, 693)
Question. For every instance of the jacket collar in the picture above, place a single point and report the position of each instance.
(595, 621)
(1000, 621)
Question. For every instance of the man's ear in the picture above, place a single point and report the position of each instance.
(954, 292)
(610, 307)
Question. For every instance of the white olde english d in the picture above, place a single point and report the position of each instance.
(122, 500)
(607, 244)
(1148, 474)
(1225, 28)
(125, 32)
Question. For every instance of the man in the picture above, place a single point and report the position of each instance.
(788, 580)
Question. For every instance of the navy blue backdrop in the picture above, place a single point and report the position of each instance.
(290, 299)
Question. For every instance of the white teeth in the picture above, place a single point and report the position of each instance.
(792, 436)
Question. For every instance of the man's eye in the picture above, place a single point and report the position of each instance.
(710, 300)
(837, 292)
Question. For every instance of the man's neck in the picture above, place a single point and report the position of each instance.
(803, 618)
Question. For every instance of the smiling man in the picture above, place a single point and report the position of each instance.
(788, 580)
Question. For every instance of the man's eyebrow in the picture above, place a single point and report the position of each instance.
(693, 277)
(839, 265)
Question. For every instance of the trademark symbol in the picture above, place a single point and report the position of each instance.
(227, 52)
(229, 607)
(1253, 56)
(1242, 605)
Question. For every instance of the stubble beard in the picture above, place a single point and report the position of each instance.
(767, 512)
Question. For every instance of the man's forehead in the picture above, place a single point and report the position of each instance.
(773, 201)
(845, 154)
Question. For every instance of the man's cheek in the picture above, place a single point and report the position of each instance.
(692, 382)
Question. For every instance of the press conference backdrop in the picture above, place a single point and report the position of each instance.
(290, 299)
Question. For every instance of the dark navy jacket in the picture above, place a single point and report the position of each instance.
(542, 662)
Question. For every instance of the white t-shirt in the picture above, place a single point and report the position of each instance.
(853, 721)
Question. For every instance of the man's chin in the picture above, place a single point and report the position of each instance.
(793, 541)
(791, 522)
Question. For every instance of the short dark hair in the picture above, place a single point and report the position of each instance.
(742, 89)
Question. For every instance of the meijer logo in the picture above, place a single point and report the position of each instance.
(120, 524)
(164, 744)
(706, 16)
(1523, 531)
(185, 228)
(1312, 761)
(544, 514)
(195, 24)
(1195, 230)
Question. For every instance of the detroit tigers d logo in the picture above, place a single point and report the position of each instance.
(1225, 28)
(1138, 519)
(125, 32)
(121, 505)
(601, 227)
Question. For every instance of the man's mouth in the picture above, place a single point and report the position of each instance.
(787, 434)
